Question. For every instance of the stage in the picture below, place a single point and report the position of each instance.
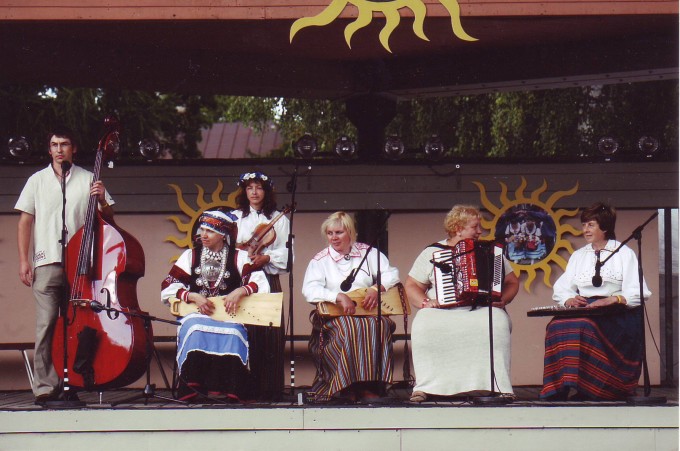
(111, 421)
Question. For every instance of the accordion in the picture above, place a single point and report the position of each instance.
(469, 273)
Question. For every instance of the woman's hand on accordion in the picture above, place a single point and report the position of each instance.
(429, 303)
(347, 304)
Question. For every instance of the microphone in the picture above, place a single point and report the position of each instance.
(347, 283)
(597, 278)
(443, 267)
(65, 167)
(96, 306)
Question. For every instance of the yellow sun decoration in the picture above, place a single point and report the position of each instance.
(557, 215)
(389, 9)
(192, 214)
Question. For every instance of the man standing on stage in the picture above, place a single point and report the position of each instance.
(40, 204)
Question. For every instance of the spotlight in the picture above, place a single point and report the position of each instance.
(648, 145)
(306, 146)
(345, 147)
(394, 148)
(434, 148)
(608, 146)
(149, 149)
(18, 147)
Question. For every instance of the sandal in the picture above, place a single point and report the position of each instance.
(418, 396)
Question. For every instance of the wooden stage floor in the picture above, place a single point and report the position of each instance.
(22, 400)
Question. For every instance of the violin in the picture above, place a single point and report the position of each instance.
(263, 235)
(102, 349)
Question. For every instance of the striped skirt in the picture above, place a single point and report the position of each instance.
(600, 357)
(344, 353)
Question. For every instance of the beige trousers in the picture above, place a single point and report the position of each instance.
(47, 286)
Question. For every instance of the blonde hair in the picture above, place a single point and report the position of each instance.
(345, 220)
(458, 217)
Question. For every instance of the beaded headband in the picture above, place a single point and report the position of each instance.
(217, 221)
(261, 177)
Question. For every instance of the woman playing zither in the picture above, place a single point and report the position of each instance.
(213, 356)
(597, 356)
(343, 347)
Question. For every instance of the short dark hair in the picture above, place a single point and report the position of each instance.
(62, 131)
(605, 215)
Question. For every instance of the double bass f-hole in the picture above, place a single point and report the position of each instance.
(111, 313)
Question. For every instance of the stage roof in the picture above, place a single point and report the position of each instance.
(244, 48)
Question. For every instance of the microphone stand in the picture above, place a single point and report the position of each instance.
(149, 390)
(646, 399)
(493, 398)
(347, 284)
(292, 188)
(67, 401)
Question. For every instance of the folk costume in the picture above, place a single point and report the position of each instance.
(268, 342)
(213, 356)
(344, 347)
(41, 197)
(451, 345)
(598, 356)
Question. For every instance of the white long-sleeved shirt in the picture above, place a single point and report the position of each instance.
(277, 251)
(619, 275)
(328, 269)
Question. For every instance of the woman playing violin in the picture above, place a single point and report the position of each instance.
(256, 209)
(256, 206)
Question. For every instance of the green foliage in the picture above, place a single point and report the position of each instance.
(173, 120)
(544, 124)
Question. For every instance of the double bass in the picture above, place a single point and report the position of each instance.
(104, 348)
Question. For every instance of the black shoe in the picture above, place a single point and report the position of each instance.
(42, 400)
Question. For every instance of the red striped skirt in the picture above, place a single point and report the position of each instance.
(344, 353)
(599, 357)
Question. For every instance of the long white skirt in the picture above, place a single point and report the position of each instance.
(451, 351)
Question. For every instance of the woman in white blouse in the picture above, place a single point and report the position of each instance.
(344, 347)
(597, 356)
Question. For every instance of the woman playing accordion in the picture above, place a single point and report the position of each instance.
(451, 345)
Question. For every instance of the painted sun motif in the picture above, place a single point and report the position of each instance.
(518, 220)
(191, 215)
(389, 9)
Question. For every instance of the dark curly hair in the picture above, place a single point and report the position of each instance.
(268, 206)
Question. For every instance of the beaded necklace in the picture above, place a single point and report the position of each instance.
(209, 278)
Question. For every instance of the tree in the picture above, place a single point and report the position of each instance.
(531, 125)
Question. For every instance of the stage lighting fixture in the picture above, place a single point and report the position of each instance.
(394, 148)
(608, 146)
(306, 146)
(434, 148)
(648, 145)
(345, 147)
(149, 149)
(18, 147)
